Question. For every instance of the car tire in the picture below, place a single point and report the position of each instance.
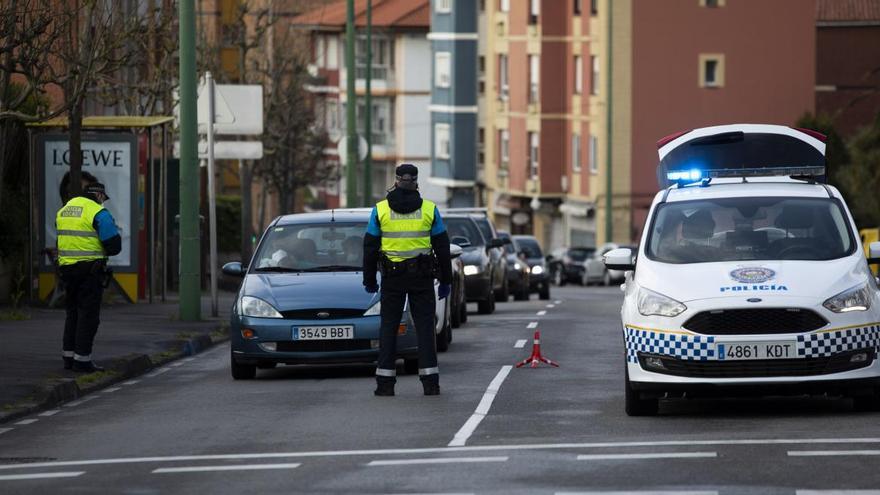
(606, 279)
(487, 306)
(464, 314)
(545, 292)
(455, 313)
(504, 294)
(634, 403)
(585, 278)
(443, 339)
(242, 371)
(411, 366)
(558, 278)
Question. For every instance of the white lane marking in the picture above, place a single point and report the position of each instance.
(533, 324)
(188, 359)
(551, 306)
(239, 467)
(38, 476)
(557, 302)
(647, 455)
(643, 492)
(111, 390)
(53, 412)
(541, 313)
(827, 453)
(442, 460)
(436, 450)
(131, 382)
(461, 437)
(4, 430)
(27, 422)
(520, 344)
(176, 364)
(81, 401)
(837, 492)
(158, 372)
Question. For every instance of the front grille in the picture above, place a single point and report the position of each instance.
(755, 321)
(312, 313)
(758, 368)
(323, 345)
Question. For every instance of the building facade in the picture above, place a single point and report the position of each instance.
(401, 81)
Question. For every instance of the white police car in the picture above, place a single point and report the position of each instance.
(749, 277)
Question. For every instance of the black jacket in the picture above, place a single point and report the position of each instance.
(406, 201)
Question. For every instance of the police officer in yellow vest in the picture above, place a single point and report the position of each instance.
(406, 240)
(87, 235)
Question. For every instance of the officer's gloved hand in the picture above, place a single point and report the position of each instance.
(443, 291)
(372, 288)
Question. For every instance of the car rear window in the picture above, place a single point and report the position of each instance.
(531, 248)
(580, 254)
(464, 227)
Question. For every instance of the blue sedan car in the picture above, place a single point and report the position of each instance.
(302, 300)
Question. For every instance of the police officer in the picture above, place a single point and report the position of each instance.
(405, 237)
(87, 235)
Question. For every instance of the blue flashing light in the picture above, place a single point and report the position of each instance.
(684, 175)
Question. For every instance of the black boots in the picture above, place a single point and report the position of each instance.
(431, 384)
(68, 362)
(384, 389)
(86, 367)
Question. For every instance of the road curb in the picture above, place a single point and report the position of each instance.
(58, 391)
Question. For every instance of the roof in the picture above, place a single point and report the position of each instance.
(847, 10)
(353, 215)
(755, 187)
(108, 122)
(401, 14)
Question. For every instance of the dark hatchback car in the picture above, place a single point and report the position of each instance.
(302, 300)
(517, 269)
(481, 273)
(539, 276)
(568, 264)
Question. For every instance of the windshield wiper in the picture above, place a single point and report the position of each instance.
(334, 268)
(278, 269)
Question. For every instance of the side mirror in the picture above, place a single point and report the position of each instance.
(620, 259)
(460, 241)
(874, 253)
(455, 250)
(496, 243)
(507, 240)
(234, 269)
(548, 258)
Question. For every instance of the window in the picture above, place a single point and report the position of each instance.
(504, 5)
(442, 69)
(320, 50)
(594, 7)
(576, 152)
(441, 141)
(533, 154)
(332, 118)
(382, 117)
(577, 7)
(383, 57)
(332, 52)
(534, 76)
(712, 3)
(482, 5)
(504, 148)
(578, 75)
(502, 76)
(594, 77)
(594, 155)
(443, 6)
(534, 10)
(482, 62)
(711, 70)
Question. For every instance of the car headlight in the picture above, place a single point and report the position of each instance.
(256, 307)
(471, 269)
(857, 298)
(537, 270)
(375, 310)
(652, 303)
(517, 266)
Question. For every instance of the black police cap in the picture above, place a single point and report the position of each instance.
(97, 187)
(407, 169)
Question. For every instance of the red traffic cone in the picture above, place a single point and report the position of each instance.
(536, 356)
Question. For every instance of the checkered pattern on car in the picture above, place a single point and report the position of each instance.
(682, 346)
(823, 344)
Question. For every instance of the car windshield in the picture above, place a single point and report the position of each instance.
(464, 227)
(509, 247)
(580, 254)
(312, 247)
(735, 229)
(530, 247)
(485, 228)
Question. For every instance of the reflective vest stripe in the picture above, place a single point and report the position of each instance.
(77, 233)
(409, 254)
(70, 252)
(407, 235)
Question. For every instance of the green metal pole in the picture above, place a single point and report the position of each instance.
(368, 113)
(351, 192)
(190, 276)
(609, 220)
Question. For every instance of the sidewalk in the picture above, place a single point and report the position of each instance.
(132, 339)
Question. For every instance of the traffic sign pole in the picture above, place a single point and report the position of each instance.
(351, 192)
(212, 193)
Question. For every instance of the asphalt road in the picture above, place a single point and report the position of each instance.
(190, 428)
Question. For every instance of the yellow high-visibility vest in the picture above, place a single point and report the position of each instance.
(77, 238)
(405, 235)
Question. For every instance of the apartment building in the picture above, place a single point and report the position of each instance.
(400, 86)
(574, 94)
